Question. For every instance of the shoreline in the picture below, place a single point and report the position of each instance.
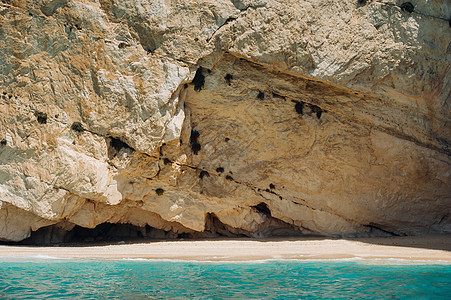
(424, 249)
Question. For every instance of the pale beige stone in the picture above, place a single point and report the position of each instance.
(375, 162)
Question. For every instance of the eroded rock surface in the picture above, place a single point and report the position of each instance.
(304, 117)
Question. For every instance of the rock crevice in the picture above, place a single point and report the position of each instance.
(234, 118)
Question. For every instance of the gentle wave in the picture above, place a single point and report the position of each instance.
(225, 260)
(368, 261)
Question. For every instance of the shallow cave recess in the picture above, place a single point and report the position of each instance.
(120, 233)
(102, 233)
(115, 145)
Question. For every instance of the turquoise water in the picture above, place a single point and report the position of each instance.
(126, 279)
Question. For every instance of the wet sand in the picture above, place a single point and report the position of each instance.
(426, 248)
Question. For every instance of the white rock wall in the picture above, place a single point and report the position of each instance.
(375, 162)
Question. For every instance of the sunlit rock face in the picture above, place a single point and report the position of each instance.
(225, 118)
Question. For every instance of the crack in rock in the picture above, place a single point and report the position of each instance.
(230, 19)
(373, 226)
(400, 7)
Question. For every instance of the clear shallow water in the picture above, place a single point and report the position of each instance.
(140, 279)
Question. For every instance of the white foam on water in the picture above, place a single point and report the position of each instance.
(230, 260)
(34, 258)
(374, 261)
(360, 260)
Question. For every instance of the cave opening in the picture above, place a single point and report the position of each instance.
(107, 233)
(115, 146)
(110, 233)
(102, 233)
(198, 80)
(263, 208)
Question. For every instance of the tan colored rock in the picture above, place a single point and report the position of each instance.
(17, 223)
(315, 117)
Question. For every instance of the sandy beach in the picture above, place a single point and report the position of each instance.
(428, 248)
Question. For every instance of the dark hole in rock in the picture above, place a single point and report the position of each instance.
(41, 117)
(203, 174)
(408, 7)
(77, 126)
(10, 96)
(195, 147)
(261, 95)
(299, 107)
(3, 142)
(272, 186)
(220, 169)
(228, 77)
(115, 146)
(316, 109)
(263, 208)
(194, 136)
(167, 161)
(185, 86)
(123, 45)
(4, 93)
(161, 148)
(198, 80)
(159, 191)
(228, 177)
(318, 114)
(209, 71)
(226, 140)
(361, 3)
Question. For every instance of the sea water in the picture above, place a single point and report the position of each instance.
(46, 278)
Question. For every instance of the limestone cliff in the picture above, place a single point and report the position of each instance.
(216, 117)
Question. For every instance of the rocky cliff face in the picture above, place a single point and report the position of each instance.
(205, 118)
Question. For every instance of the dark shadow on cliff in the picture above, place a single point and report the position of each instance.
(272, 231)
(109, 233)
(433, 242)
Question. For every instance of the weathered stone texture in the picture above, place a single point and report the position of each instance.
(324, 117)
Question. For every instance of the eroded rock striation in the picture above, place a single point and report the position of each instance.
(233, 118)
